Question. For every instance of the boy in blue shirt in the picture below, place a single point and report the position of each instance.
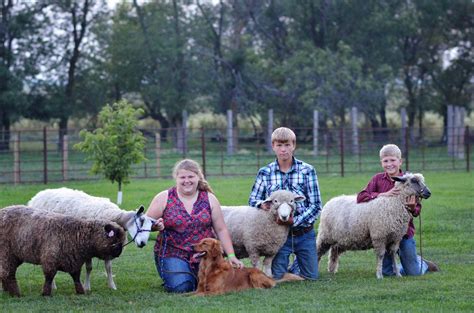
(289, 173)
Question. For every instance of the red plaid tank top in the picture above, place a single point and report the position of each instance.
(182, 229)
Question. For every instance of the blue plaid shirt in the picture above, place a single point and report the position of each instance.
(300, 179)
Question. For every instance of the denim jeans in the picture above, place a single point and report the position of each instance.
(177, 274)
(304, 247)
(411, 263)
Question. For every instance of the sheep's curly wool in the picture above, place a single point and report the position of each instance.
(379, 224)
(79, 204)
(255, 232)
(55, 241)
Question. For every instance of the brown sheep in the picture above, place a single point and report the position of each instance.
(54, 241)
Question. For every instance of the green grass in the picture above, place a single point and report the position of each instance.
(447, 239)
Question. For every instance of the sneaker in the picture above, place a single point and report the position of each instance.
(432, 267)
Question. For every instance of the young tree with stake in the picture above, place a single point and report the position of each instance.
(116, 145)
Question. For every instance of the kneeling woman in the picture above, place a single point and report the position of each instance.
(186, 213)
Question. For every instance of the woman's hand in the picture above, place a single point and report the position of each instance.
(236, 262)
(159, 225)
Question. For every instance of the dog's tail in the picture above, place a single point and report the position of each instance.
(259, 280)
(289, 277)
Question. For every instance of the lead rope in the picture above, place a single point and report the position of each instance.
(421, 249)
(176, 272)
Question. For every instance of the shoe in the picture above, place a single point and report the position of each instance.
(432, 267)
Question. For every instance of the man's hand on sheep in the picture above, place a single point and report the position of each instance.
(158, 226)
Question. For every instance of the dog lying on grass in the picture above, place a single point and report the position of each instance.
(217, 276)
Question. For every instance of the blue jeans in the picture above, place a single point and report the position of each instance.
(304, 247)
(177, 274)
(411, 263)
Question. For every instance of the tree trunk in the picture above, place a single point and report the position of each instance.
(62, 132)
(4, 132)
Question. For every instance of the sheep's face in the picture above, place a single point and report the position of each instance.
(109, 243)
(139, 227)
(414, 184)
(283, 204)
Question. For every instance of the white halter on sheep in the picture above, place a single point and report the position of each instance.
(79, 204)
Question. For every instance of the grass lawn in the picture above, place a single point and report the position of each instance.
(448, 239)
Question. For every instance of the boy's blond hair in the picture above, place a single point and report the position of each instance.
(283, 134)
(390, 150)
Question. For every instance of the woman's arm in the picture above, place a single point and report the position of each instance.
(156, 208)
(222, 232)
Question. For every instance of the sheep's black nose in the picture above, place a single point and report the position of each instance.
(426, 193)
(141, 245)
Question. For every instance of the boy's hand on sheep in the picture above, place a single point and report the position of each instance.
(411, 203)
(265, 206)
(391, 193)
(158, 226)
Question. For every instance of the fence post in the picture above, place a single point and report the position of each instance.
(16, 158)
(355, 133)
(449, 130)
(157, 153)
(269, 131)
(315, 132)
(203, 151)
(185, 133)
(45, 156)
(230, 139)
(460, 146)
(403, 115)
(407, 159)
(341, 148)
(65, 155)
(468, 148)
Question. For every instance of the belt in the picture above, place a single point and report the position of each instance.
(301, 231)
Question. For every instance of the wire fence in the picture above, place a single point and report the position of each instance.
(38, 156)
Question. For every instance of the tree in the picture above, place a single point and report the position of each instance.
(116, 145)
(18, 28)
(70, 34)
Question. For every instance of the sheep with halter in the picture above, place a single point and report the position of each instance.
(379, 224)
(79, 204)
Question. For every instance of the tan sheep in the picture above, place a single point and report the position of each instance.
(379, 224)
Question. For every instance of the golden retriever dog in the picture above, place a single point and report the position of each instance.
(217, 276)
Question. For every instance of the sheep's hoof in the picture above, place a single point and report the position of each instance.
(379, 276)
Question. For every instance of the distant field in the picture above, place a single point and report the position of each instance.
(447, 239)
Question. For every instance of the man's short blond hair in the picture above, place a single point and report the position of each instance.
(390, 150)
(283, 134)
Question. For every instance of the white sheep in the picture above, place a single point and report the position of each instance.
(55, 241)
(255, 232)
(379, 224)
(79, 204)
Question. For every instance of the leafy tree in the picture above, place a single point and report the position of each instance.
(116, 145)
(18, 30)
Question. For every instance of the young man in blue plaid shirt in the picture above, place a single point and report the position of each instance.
(289, 173)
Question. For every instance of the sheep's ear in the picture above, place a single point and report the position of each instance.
(300, 198)
(109, 230)
(140, 209)
(400, 179)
